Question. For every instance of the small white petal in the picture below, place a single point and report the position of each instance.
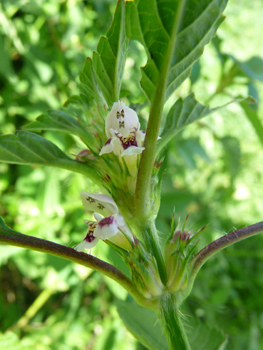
(86, 245)
(99, 203)
(132, 150)
(107, 148)
(140, 136)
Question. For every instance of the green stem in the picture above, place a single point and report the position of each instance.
(36, 306)
(44, 246)
(171, 321)
(142, 194)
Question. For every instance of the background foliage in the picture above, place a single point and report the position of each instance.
(213, 171)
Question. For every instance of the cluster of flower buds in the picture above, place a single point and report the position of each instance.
(144, 271)
(179, 249)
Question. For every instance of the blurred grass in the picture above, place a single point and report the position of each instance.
(214, 172)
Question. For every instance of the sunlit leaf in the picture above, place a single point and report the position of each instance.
(32, 149)
(185, 112)
(143, 324)
(174, 34)
(110, 59)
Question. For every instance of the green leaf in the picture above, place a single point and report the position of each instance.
(252, 116)
(60, 121)
(174, 34)
(87, 78)
(29, 148)
(143, 324)
(185, 112)
(253, 68)
(77, 100)
(6, 68)
(203, 337)
(56, 120)
(103, 74)
(32, 149)
(109, 61)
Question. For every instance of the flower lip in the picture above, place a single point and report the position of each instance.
(90, 240)
(127, 141)
(106, 221)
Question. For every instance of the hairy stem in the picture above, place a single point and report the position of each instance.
(44, 246)
(142, 194)
(238, 235)
(171, 321)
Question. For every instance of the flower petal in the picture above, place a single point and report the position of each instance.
(87, 244)
(107, 227)
(121, 118)
(102, 204)
(132, 150)
(89, 240)
(107, 148)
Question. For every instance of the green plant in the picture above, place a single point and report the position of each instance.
(126, 166)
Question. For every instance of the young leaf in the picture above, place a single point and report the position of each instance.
(60, 121)
(110, 59)
(174, 34)
(185, 112)
(32, 149)
(143, 324)
(56, 120)
(103, 74)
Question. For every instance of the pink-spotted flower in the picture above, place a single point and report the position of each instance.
(109, 222)
(125, 137)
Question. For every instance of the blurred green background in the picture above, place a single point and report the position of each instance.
(214, 171)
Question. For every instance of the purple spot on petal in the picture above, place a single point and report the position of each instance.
(108, 142)
(106, 221)
(89, 238)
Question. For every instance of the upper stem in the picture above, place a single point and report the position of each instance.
(142, 194)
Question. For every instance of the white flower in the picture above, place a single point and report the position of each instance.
(122, 128)
(109, 222)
